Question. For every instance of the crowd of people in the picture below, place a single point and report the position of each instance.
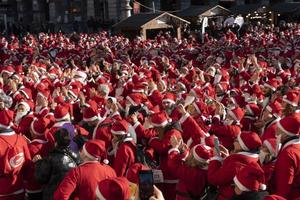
(82, 115)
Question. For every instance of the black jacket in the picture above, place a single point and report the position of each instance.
(250, 196)
(51, 170)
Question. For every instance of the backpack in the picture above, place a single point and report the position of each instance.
(13, 159)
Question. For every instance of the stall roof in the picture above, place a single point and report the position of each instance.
(246, 8)
(282, 8)
(142, 19)
(201, 10)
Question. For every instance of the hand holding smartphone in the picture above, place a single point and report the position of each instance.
(146, 188)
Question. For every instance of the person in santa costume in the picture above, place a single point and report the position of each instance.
(124, 148)
(23, 118)
(190, 168)
(287, 167)
(80, 183)
(39, 148)
(249, 183)
(267, 159)
(14, 156)
(222, 168)
(161, 145)
(229, 130)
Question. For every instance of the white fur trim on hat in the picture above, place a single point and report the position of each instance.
(269, 86)
(289, 102)
(173, 150)
(98, 194)
(195, 155)
(91, 118)
(67, 116)
(240, 185)
(118, 132)
(131, 101)
(138, 91)
(163, 124)
(88, 154)
(168, 101)
(283, 130)
(241, 142)
(197, 108)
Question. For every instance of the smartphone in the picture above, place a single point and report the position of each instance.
(146, 188)
(217, 146)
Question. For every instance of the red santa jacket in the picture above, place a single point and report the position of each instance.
(287, 170)
(222, 175)
(102, 129)
(143, 133)
(125, 156)
(192, 180)
(161, 147)
(36, 147)
(269, 175)
(269, 130)
(80, 183)
(24, 125)
(191, 131)
(13, 184)
(226, 134)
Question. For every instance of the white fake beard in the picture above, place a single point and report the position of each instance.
(37, 109)
(19, 116)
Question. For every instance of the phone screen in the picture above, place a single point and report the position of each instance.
(145, 184)
(216, 144)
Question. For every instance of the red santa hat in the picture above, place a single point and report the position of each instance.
(237, 114)
(81, 131)
(113, 189)
(250, 178)
(275, 108)
(159, 119)
(271, 145)
(292, 98)
(26, 92)
(133, 172)
(272, 84)
(6, 119)
(136, 98)
(290, 125)
(44, 92)
(39, 126)
(120, 128)
(95, 150)
(249, 140)
(61, 113)
(90, 114)
(169, 98)
(209, 141)
(8, 69)
(253, 109)
(202, 152)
